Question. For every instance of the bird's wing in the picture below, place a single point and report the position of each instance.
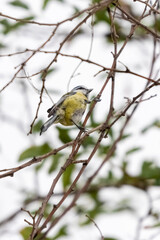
(47, 124)
(51, 111)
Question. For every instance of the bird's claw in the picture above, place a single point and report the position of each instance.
(83, 129)
(96, 99)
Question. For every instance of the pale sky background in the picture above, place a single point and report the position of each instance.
(21, 108)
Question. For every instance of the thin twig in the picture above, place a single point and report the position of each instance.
(99, 230)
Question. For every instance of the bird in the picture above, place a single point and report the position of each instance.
(69, 109)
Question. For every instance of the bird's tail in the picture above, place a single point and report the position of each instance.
(47, 124)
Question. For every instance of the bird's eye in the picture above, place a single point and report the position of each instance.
(81, 88)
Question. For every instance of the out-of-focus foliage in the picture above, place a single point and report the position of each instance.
(37, 126)
(9, 27)
(148, 175)
(46, 3)
(67, 176)
(64, 134)
(34, 151)
(18, 3)
(110, 238)
(55, 161)
(25, 233)
(51, 70)
(154, 124)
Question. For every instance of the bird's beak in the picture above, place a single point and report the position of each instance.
(89, 90)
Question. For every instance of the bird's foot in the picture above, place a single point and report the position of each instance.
(96, 99)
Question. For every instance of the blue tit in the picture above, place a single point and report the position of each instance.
(69, 109)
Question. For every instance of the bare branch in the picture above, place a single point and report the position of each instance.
(102, 237)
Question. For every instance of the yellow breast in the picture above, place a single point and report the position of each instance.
(75, 104)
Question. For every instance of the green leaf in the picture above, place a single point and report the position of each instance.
(123, 208)
(54, 162)
(133, 150)
(144, 130)
(126, 136)
(45, 2)
(67, 176)
(37, 126)
(8, 27)
(103, 149)
(122, 205)
(64, 135)
(156, 25)
(2, 45)
(111, 133)
(34, 151)
(156, 225)
(25, 232)
(62, 232)
(150, 171)
(124, 166)
(110, 175)
(5, 23)
(18, 3)
(155, 123)
(109, 180)
(89, 141)
(48, 72)
(94, 212)
(94, 195)
(101, 16)
(76, 10)
(119, 32)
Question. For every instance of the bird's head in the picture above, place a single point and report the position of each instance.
(82, 89)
